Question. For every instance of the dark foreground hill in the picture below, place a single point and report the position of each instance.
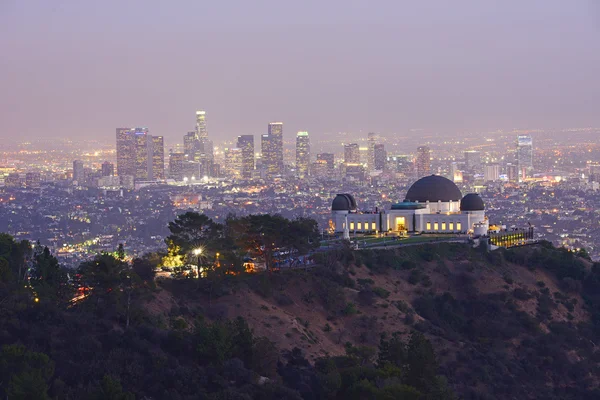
(428, 322)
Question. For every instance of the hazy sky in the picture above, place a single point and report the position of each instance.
(81, 68)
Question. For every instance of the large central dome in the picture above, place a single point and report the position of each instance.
(433, 188)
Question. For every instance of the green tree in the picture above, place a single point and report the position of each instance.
(192, 230)
(24, 375)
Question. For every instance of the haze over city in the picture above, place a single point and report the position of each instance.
(72, 69)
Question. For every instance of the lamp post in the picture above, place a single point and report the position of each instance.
(198, 253)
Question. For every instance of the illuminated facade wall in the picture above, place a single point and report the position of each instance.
(190, 144)
(379, 157)
(274, 157)
(351, 154)
(201, 131)
(371, 143)
(423, 161)
(302, 154)
(125, 152)
(524, 156)
(158, 157)
(143, 154)
(233, 163)
(246, 144)
(176, 161)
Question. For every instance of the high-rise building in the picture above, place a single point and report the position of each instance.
(372, 142)
(472, 160)
(272, 149)
(491, 172)
(302, 154)
(190, 144)
(351, 154)
(201, 131)
(594, 172)
(524, 156)
(176, 161)
(78, 172)
(455, 173)
(423, 162)
(233, 163)
(108, 168)
(125, 152)
(329, 159)
(246, 144)
(379, 157)
(158, 158)
(403, 164)
(512, 172)
(143, 154)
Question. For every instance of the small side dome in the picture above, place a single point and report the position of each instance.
(472, 202)
(343, 202)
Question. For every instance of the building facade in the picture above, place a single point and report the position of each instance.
(423, 161)
(302, 155)
(433, 204)
(246, 144)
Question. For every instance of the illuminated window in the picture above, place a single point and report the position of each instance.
(459, 226)
(436, 226)
(359, 224)
(451, 226)
(373, 226)
(351, 226)
(443, 226)
(429, 226)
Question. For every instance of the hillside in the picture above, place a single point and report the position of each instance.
(506, 324)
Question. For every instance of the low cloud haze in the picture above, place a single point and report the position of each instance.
(80, 69)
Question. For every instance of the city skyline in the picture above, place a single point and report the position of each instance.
(544, 53)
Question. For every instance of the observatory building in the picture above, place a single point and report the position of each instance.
(433, 204)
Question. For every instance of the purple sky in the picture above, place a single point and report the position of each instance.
(73, 68)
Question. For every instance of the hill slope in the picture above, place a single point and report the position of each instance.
(506, 324)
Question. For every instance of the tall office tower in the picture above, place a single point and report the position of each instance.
(371, 142)
(328, 158)
(158, 158)
(33, 180)
(524, 156)
(423, 161)
(143, 153)
(472, 160)
(190, 144)
(302, 154)
(78, 172)
(233, 163)
(176, 161)
(491, 172)
(455, 173)
(272, 149)
(351, 154)
(403, 164)
(379, 157)
(246, 144)
(125, 152)
(512, 172)
(201, 131)
(108, 168)
(207, 150)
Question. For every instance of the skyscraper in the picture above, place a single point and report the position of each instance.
(491, 172)
(139, 154)
(190, 144)
(176, 161)
(246, 144)
(371, 141)
(108, 168)
(524, 156)
(472, 160)
(328, 158)
(78, 172)
(201, 131)
(158, 158)
(272, 149)
(423, 161)
(302, 154)
(233, 163)
(351, 154)
(125, 152)
(379, 157)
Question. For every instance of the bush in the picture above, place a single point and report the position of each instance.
(381, 292)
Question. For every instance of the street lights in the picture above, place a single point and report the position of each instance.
(198, 253)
